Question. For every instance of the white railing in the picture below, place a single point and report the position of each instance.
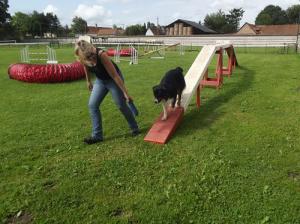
(198, 40)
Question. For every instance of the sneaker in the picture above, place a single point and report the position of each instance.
(135, 132)
(92, 140)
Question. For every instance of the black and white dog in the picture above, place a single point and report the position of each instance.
(170, 87)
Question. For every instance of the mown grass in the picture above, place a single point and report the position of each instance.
(236, 160)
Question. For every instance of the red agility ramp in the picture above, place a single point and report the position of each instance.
(161, 131)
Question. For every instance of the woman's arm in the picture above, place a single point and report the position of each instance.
(88, 78)
(110, 68)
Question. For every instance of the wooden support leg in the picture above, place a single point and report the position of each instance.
(220, 69)
(198, 96)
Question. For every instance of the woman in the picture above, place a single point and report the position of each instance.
(108, 79)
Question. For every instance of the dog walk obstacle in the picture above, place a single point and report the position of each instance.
(195, 78)
(160, 54)
(160, 49)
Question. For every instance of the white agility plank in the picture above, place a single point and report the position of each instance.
(196, 72)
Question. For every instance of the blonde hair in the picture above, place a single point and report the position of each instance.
(85, 51)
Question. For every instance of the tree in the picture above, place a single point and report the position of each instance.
(233, 19)
(293, 13)
(79, 25)
(39, 24)
(135, 30)
(21, 22)
(150, 25)
(4, 15)
(216, 21)
(35, 24)
(6, 31)
(272, 15)
(53, 23)
(224, 23)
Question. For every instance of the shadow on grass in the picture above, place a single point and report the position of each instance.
(125, 135)
(208, 114)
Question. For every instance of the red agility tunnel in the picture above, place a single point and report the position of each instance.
(123, 52)
(46, 73)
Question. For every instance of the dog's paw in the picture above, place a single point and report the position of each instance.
(164, 118)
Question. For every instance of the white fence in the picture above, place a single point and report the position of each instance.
(242, 41)
(198, 40)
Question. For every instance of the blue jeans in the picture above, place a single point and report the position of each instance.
(100, 90)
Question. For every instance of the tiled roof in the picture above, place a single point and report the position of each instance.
(106, 31)
(157, 30)
(284, 30)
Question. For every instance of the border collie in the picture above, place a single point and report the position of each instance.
(171, 86)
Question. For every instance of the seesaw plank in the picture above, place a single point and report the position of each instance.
(161, 131)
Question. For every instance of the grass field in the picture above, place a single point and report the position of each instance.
(236, 160)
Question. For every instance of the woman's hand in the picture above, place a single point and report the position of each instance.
(89, 86)
(127, 97)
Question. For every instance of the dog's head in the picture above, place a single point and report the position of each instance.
(159, 93)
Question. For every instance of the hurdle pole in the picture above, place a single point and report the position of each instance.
(117, 54)
(27, 58)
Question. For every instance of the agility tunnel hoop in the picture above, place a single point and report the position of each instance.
(46, 73)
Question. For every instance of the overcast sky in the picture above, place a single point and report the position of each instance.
(128, 12)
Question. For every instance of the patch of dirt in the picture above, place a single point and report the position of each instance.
(119, 212)
(49, 185)
(116, 213)
(294, 175)
(20, 218)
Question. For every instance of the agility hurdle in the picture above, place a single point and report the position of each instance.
(117, 54)
(27, 56)
(181, 49)
(134, 55)
(161, 131)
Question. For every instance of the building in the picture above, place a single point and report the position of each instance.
(268, 30)
(103, 31)
(187, 28)
(155, 31)
(50, 35)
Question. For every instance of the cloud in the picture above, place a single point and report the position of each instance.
(94, 14)
(176, 15)
(103, 1)
(113, 1)
(125, 1)
(51, 9)
(126, 12)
